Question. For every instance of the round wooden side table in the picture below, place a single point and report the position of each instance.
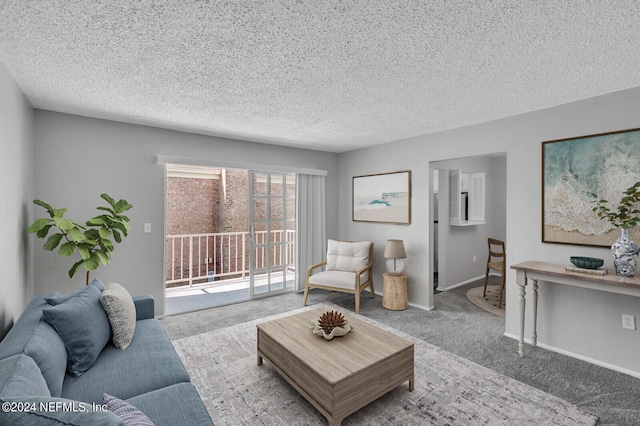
(394, 292)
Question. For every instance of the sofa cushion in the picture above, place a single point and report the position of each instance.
(338, 279)
(23, 330)
(121, 312)
(61, 298)
(48, 351)
(83, 326)
(127, 412)
(162, 408)
(48, 411)
(149, 363)
(145, 306)
(347, 256)
(19, 376)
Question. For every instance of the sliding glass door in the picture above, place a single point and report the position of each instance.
(272, 217)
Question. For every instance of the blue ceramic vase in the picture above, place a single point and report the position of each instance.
(625, 255)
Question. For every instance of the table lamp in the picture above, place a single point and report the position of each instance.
(395, 255)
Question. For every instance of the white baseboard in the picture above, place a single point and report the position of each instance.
(451, 287)
(415, 305)
(577, 356)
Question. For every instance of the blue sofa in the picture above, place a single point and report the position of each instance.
(35, 387)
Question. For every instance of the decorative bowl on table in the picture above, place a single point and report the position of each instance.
(330, 324)
(587, 262)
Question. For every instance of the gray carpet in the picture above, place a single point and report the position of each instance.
(459, 327)
(449, 390)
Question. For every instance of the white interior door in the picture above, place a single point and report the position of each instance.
(272, 216)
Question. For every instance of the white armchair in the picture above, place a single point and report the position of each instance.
(348, 268)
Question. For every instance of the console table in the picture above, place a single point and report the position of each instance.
(532, 271)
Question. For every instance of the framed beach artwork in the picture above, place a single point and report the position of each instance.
(382, 198)
(572, 169)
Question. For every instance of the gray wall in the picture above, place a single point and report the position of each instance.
(16, 193)
(580, 322)
(79, 158)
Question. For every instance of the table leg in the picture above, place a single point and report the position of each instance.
(534, 336)
(259, 360)
(521, 280)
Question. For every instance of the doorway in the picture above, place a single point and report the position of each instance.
(230, 236)
(272, 232)
(459, 253)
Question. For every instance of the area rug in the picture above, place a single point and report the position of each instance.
(449, 390)
(489, 302)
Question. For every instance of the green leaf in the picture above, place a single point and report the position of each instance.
(84, 252)
(106, 245)
(53, 242)
(105, 233)
(92, 234)
(67, 249)
(46, 206)
(76, 234)
(106, 209)
(108, 199)
(122, 206)
(92, 263)
(96, 221)
(123, 227)
(63, 223)
(74, 268)
(117, 236)
(59, 212)
(38, 225)
(44, 231)
(104, 257)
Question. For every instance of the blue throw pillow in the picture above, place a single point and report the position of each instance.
(127, 412)
(83, 326)
(20, 375)
(47, 349)
(61, 298)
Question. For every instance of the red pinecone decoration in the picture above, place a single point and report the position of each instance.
(330, 320)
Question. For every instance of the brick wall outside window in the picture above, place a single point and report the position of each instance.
(217, 204)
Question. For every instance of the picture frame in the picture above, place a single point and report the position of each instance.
(573, 169)
(382, 198)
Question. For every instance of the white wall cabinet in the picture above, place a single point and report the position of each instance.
(466, 198)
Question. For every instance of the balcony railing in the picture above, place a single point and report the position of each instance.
(199, 258)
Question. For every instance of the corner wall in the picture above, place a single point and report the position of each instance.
(16, 193)
(78, 158)
(580, 322)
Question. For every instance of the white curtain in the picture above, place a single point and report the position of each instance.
(312, 233)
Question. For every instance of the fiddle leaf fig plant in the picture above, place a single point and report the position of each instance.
(92, 240)
(627, 214)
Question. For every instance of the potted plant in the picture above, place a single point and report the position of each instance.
(92, 240)
(625, 216)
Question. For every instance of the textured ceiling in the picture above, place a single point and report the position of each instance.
(322, 74)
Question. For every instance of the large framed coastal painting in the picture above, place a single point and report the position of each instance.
(382, 198)
(572, 169)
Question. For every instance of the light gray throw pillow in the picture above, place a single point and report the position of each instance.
(121, 311)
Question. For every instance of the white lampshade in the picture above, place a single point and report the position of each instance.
(394, 251)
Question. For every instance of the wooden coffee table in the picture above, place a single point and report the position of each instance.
(338, 376)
